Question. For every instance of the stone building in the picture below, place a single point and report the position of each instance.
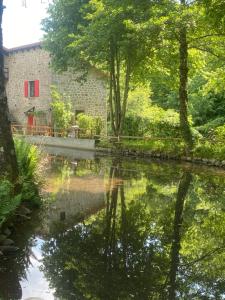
(29, 79)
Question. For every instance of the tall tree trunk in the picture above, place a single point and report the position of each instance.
(5, 125)
(117, 103)
(183, 95)
(176, 238)
(126, 92)
(112, 115)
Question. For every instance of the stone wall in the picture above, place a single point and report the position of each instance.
(89, 96)
(33, 63)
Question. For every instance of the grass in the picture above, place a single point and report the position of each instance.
(203, 149)
(210, 150)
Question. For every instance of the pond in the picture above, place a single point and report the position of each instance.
(121, 229)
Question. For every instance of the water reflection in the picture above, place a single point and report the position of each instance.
(126, 230)
(148, 243)
(14, 266)
(177, 234)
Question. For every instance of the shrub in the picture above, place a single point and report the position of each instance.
(158, 123)
(209, 128)
(145, 119)
(8, 202)
(29, 163)
(98, 125)
(28, 158)
(61, 110)
(220, 133)
(90, 125)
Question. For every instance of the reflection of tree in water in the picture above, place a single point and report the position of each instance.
(14, 266)
(136, 250)
(113, 257)
(176, 237)
(161, 236)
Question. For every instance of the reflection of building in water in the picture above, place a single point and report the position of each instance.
(76, 197)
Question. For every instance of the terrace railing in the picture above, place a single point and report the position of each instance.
(43, 130)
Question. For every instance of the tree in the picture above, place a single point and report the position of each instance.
(109, 35)
(176, 239)
(6, 138)
(183, 75)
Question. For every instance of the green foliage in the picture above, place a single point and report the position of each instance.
(208, 128)
(98, 125)
(145, 119)
(28, 158)
(166, 147)
(29, 162)
(120, 43)
(78, 33)
(210, 149)
(138, 42)
(8, 202)
(90, 125)
(220, 133)
(61, 110)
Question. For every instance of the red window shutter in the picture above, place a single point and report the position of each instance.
(26, 88)
(36, 88)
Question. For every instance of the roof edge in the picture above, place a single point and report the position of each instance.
(23, 47)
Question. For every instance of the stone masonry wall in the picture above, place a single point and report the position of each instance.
(28, 65)
(89, 96)
(33, 64)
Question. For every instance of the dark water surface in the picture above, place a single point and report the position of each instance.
(121, 229)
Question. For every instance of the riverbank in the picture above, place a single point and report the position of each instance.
(205, 154)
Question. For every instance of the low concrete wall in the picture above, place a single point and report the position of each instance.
(70, 153)
(67, 142)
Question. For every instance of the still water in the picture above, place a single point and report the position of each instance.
(121, 229)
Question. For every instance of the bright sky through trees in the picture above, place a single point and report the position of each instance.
(22, 25)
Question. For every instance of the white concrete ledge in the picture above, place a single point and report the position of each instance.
(70, 153)
(85, 144)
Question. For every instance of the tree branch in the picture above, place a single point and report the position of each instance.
(207, 35)
(208, 51)
(202, 257)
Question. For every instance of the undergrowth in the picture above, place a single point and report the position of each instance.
(28, 157)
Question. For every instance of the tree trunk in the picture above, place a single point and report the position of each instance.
(111, 104)
(126, 93)
(5, 125)
(183, 95)
(176, 238)
(117, 103)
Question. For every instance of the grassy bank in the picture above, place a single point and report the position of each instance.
(203, 149)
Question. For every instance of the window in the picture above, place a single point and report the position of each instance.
(31, 88)
(77, 112)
